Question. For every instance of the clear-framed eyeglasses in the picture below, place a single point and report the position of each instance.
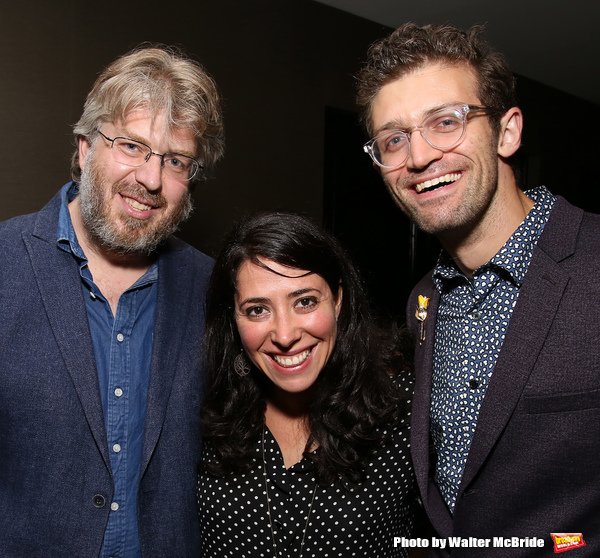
(134, 153)
(442, 129)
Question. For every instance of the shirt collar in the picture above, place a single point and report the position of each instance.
(515, 255)
(66, 239)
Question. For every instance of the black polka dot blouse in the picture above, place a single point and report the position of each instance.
(333, 521)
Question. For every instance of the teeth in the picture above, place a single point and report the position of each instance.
(292, 361)
(453, 177)
(137, 205)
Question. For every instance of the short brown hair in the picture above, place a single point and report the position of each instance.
(156, 78)
(412, 46)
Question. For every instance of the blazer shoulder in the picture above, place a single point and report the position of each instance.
(42, 223)
(16, 226)
(178, 253)
(570, 230)
(15, 231)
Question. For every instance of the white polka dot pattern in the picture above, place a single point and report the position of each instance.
(472, 320)
(362, 522)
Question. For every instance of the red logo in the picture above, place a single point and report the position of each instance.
(567, 541)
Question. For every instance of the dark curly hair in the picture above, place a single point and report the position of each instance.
(411, 46)
(355, 398)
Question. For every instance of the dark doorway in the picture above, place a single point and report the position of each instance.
(391, 254)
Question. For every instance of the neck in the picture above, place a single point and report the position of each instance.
(112, 272)
(291, 405)
(286, 416)
(476, 244)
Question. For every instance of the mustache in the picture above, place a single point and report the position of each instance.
(139, 193)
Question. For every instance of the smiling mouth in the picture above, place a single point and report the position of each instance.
(288, 362)
(136, 205)
(438, 182)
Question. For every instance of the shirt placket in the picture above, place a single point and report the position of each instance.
(453, 433)
(118, 414)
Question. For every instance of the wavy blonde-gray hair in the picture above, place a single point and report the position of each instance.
(159, 79)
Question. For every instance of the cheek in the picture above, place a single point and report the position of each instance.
(252, 335)
(391, 179)
(175, 194)
(323, 326)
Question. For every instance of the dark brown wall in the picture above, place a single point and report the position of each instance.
(281, 65)
(278, 64)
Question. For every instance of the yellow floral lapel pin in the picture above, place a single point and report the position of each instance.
(421, 315)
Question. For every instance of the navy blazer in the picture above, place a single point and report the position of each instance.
(55, 476)
(532, 469)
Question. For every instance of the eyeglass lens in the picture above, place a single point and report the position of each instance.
(442, 129)
(134, 154)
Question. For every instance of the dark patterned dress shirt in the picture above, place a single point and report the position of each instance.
(472, 320)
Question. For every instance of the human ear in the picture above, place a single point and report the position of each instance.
(83, 145)
(511, 127)
(338, 302)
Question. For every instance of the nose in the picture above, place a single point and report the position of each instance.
(420, 152)
(285, 332)
(150, 173)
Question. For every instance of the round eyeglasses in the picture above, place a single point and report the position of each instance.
(134, 153)
(442, 129)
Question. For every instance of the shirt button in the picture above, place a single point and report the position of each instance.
(476, 315)
(99, 501)
(120, 337)
(114, 506)
(117, 448)
(473, 384)
(118, 392)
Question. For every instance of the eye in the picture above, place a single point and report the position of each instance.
(130, 148)
(392, 142)
(445, 123)
(256, 312)
(177, 163)
(307, 303)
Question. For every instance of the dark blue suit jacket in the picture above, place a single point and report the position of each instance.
(55, 475)
(532, 468)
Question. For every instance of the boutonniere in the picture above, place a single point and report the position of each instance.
(421, 315)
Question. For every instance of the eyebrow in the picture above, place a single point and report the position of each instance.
(133, 136)
(396, 124)
(264, 300)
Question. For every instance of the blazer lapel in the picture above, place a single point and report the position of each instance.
(58, 280)
(420, 439)
(530, 323)
(422, 396)
(172, 310)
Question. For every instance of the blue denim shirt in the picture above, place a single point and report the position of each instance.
(123, 348)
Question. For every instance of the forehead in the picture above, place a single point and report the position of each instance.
(154, 129)
(426, 88)
(255, 281)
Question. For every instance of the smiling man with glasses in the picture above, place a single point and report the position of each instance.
(506, 326)
(102, 320)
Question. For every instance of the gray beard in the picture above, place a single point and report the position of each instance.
(139, 236)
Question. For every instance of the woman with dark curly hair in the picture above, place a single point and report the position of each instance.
(305, 418)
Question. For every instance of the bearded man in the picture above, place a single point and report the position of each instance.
(102, 315)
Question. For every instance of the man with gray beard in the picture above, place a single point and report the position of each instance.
(102, 315)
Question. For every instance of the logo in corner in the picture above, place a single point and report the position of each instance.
(567, 541)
